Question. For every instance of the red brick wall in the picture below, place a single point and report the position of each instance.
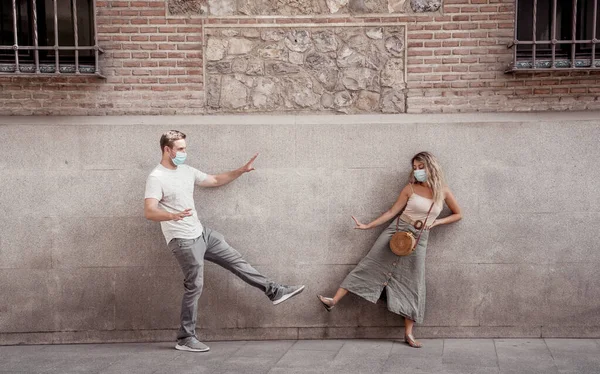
(153, 65)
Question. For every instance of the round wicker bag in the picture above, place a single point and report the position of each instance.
(402, 243)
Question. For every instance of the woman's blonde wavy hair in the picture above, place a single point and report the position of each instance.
(435, 176)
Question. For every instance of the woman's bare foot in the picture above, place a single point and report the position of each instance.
(410, 340)
(328, 302)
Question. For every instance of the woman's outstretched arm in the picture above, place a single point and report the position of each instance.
(389, 214)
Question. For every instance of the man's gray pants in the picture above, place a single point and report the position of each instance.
(191, 253)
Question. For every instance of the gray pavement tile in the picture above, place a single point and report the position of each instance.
(431, 348)
(264, 349)
(524, 370)
(467, 369)
(366, 346)
(347, 370)
(279, 370)
(255, 357)
(465, 353)
(405, 359)
(8, 351)
(86, 348)
(364, 356)
(178, 368)
(306, 359)
(201, 362)
(524, 356)
(244, 370)
(227, 344)
(88, 358)
(82, 364)
(251, 365)
(319, 345)
(376, 369)
(573, 346)
(575, 355)
(139, 347)
(29, 358)
(143, 362)
(419, 365)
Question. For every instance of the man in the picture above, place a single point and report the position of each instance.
(169, 199)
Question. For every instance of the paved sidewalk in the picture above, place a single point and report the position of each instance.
(481, 356)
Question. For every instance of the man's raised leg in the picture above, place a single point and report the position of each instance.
(222, 254)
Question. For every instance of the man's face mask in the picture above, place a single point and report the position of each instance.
(179, 158)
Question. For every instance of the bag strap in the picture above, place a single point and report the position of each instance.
(398, 220)
(423, 228)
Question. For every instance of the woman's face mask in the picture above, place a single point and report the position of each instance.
(420, 175)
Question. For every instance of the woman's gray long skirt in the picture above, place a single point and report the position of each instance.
(403, 277)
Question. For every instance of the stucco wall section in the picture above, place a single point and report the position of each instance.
(80, 263)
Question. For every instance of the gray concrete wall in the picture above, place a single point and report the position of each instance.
(79, 263)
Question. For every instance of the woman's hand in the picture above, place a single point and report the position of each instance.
(360, 226)
(434, 224)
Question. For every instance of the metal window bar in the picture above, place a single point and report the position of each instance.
(553, 26)
(534, 30)
(96, 48)
(537, 63)
(594, 38)
(16, 45)
(76, 37)
(573, 33)
(21, 68)
(56, 50)
(36, 51)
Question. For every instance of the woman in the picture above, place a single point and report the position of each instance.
(402, 278)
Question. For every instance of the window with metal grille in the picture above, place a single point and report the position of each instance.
(48, 37)
(556, 35)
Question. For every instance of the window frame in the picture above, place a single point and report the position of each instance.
(575, 51)
(33, 66)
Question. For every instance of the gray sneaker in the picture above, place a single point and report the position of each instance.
(285, 292)
(191, 344)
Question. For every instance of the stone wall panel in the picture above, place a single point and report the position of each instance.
(300, 7)
(350, 69)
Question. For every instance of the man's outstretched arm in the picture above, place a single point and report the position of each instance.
(154, 213)
(227, 177)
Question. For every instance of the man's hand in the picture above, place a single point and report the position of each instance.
(181, 215)
(228, 177)
(249, 165)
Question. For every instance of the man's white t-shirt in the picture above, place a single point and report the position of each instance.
(174, 190)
